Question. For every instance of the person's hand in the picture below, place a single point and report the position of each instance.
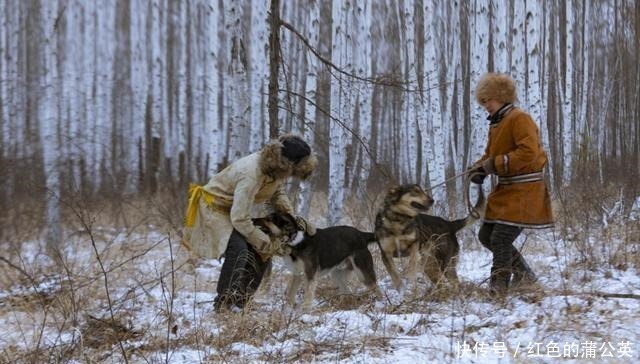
(260, 241)
(305, 225)
(477, 174)
(488, 166)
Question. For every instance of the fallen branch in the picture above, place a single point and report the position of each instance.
(619, 295)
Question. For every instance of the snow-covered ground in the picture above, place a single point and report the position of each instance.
(162, 307)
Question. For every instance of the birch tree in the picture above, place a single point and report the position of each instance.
(148, 94)
(236, 81)
(362, 112)
(435, 133)
(42, 67)
(310, 86)
(339, 107)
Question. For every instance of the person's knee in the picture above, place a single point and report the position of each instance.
(484, 235)
(505, 234)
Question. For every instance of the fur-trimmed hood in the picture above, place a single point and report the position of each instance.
(275, 165)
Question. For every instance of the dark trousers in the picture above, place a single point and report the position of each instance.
(507, 260)
(241, 273)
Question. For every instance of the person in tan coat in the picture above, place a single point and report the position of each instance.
(219, 222)
(520, 199)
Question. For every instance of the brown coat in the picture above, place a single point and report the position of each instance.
(514, 144)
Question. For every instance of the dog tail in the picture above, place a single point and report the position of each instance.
(475, 213)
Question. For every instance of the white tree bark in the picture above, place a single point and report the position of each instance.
(213, 136)
(139, 85)
(50, 138)
(479, 57)
(238, 98)
(258, 75)
(104, 46)
(5, 76)
(409, 152)
(363, 52)
(531, 99)
(312, 63)
(583, 78)
(339, 108)
(499, 30)
(435, 129)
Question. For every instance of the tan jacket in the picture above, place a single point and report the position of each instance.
(514, 143)
(256, 178)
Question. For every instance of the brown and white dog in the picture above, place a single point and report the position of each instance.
(403, 229)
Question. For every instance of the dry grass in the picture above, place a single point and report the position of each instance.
(74, 309)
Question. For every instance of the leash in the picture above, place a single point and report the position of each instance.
(447, 180)
(467, 184)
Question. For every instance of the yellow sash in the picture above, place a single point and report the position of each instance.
(195, 194)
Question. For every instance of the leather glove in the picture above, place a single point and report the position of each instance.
(488, 166)
(262, 245)
(275, 247)
(305, 225)
(477, 174)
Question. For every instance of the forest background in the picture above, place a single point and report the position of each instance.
(109, 103)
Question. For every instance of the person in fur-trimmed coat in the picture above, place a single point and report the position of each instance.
(219, 217)
(520, 199)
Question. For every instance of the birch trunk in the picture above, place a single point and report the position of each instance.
(258, 75)
(312, 68)
(339, 104)
(43, 46)
(363, 53)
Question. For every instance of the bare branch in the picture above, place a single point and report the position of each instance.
(330, 64)
(382, 80)
(342, 124)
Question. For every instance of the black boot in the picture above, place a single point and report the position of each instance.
(522, 272)
(499, 282)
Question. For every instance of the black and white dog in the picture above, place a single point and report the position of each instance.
(337, 250)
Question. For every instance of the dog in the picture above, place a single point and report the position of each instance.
(338, 250)
(403, 229)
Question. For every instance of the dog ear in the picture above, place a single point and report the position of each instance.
(393, 190)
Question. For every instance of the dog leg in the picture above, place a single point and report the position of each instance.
(363, 263)
(292, 288)
(340, 278)
(309, 293)
(387, 259)
(432, 268)
(414, 257)
(451, 271)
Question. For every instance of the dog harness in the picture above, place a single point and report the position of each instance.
(522, 178)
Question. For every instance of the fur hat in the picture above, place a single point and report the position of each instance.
(496, 86)
(287, 156)
(294, 148)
